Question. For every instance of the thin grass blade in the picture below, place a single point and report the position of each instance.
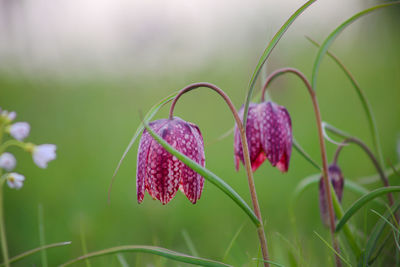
(305, 155)
(236, 235)
(270, 262)
(151, 250)
(333, 250)
(42, 239)
(35, 250)
(334, 34)
(363, 201)
(189, 243)
(274, 41)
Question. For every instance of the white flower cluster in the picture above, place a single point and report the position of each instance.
(41, 154)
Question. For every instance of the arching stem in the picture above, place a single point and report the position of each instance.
(253, 193)
(368, 151)
(270, 78)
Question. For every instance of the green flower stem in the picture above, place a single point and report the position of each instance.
(4, 246)
(246, 156)
(346, 229)
(12, 142)
(311, 91)
(351, 139)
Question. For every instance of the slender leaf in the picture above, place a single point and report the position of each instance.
(363, 99)
(374, 236)
(152, 250)
(331, 248)
(140, 128)
(305, 155)
(364, 200)
(395, 230)
(207, 174)
(274, 41)
(334, 34)
(122, 261)
(189, 243)
(236, 235)
(35, 250)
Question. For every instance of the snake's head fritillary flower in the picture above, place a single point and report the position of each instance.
(15, 180)
(336, 178)
(161, 173)
(19, 130)
(7, 161)
(269, 136)
(42, 154)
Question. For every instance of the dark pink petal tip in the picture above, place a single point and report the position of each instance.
(160, 173)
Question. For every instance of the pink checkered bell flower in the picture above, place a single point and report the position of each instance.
(160, 173)
(269, 136)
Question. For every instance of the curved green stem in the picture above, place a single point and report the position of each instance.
(351, 139)
(246, 156)
(12, 142)
(363, 99)
(313, 96)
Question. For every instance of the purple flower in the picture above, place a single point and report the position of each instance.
(20, 130)
(269, 136)
(336, 178)
(161, 173)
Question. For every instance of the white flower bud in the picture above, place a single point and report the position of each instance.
(9, 116)
(42, 154)
(7, 161)
(15, 180)
(20, 130)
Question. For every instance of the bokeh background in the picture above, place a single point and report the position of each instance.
(80, 71)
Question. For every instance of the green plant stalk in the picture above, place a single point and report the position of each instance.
(324, 160)
(267, 52)
(346, 229)
(4, 246)
(246, 156)
(364, 102)
(152, 250)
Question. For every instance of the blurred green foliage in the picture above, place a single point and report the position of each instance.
(92, 120)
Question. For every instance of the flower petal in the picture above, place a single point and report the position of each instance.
(191, 144)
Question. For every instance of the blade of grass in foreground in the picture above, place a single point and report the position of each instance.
(363, 99)
(140, 128)
(207, 174)
(329, 40)
(42, 238)
(364, 200)
(331, 248)
(152, 250)
(268, 51)
(35, 250)
(375, 234)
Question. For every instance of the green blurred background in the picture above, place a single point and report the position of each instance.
(91, 117)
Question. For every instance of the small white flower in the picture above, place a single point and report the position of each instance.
(20, 130)
(15, 180)
(10, 116)
(42, 154)
(7, 161)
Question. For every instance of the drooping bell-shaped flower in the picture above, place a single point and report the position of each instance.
(336, 178)
(161, 173)
(269, 136)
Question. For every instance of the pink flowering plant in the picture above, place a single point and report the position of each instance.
(171, 157)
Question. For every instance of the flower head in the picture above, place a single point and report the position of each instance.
(269, 136)
(336, 178)
(7, 161)
(161, 173)
(15, 180)
(42, 154)
(19, 130)
(7, 115)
